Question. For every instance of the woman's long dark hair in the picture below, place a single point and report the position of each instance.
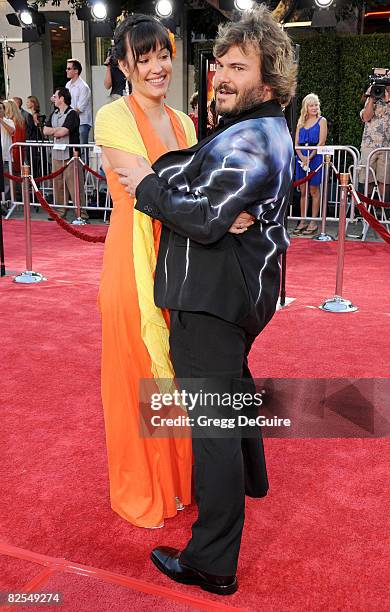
(141, 34)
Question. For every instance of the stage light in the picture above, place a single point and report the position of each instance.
(26, 18)
(243, 5)
(323, 3)
(164, 8)
(99, 11)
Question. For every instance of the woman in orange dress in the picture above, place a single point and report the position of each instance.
(150, 478)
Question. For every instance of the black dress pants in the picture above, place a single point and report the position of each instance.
(226, 468)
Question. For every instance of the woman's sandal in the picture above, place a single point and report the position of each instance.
(299, 230)
(310, 232)
(179, 504)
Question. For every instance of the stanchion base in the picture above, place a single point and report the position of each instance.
(324, 238)
(288, 301)
(338, 304)
(28, 277)
(79, 221)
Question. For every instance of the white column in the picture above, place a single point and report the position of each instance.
(175, 97)
(80, 46)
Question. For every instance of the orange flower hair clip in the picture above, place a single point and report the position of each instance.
(172, 39)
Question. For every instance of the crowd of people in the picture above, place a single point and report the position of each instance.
(69, 122)
(29, 125)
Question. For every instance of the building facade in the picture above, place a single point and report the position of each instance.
(38, 67)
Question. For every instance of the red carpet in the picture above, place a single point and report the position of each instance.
(320, 540)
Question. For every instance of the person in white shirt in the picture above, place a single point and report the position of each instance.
(7, 129)
(81, 97)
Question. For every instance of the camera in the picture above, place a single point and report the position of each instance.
(41, 120)
(379, 80)
(111, 59)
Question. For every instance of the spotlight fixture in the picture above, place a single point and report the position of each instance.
(99, 11)
(164, 8)
(323, 3)
(243, 5)
(26, 18)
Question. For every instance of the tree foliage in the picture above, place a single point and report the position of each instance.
(337, 68)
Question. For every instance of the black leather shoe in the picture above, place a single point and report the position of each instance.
(167, 560)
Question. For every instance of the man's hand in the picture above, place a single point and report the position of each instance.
(136, 171)
(241, 224)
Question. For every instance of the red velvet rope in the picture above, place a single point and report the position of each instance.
(99, 176)
(12, 177)
(66, 226)
(304, 179)
(53, 175)
(39, 179)
(371, 220)
(308, 177)
(370, 202)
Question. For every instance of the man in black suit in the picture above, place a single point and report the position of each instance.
(220, 288)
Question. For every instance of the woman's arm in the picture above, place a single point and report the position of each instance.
(323, 132)
(322, 137)
(35, 118)
(299, 153)
(107, 78)
(115, 158)
(7, 127)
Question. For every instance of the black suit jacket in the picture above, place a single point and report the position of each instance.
(197, 193)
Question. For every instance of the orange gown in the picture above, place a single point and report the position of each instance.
(146, 474)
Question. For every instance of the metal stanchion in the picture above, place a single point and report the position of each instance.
(283, 280)
(76, 183)
(2, 259)
(28, 276)
(338, 303)
(323, 236)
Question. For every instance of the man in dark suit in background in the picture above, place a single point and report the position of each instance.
(222, 289)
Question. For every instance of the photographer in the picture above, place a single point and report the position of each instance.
(115, 79)
(376, 133)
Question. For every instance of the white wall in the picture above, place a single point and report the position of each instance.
(31, 69)
(100, 95)
(175, 97)
(80, 45)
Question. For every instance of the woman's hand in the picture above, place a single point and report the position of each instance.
(241, 224)
(137, 169)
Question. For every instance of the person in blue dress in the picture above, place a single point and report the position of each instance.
(312, 129)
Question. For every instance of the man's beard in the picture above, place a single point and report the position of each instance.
(245, 101)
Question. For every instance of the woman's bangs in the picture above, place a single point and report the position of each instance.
(147, 37)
